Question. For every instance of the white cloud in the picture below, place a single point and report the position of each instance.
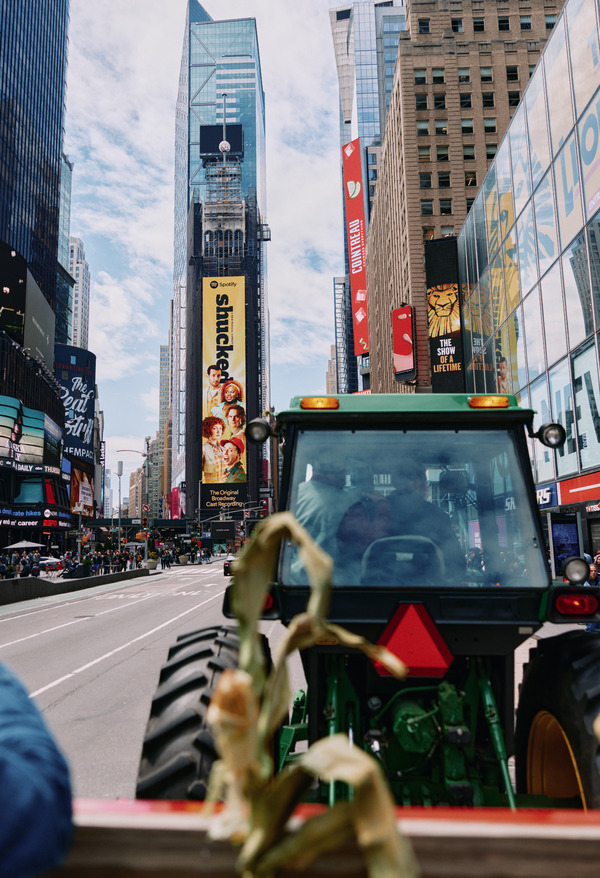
(122, 85)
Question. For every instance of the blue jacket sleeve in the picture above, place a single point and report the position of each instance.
(35, 790)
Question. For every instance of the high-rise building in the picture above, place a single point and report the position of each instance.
(461, 71)
(365, 38)
(529, 271)
(64, 281)
(80, 270)
(219, 308)
(331, 385)
(33, 61)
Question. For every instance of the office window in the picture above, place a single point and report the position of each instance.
(486, 74)
(487, 98)
(526, 22)
(444, 179)
(422, 128)
(420, 77)
(465, 100)
(512, 74)
(442, 153)
(427, 208)
(464, 74)
(478, 25)
(441, 126)
(470, 178)
(470, 203)
(420, 102)
(550, 21)
(445, 206)
(437, 75)
(447, 230)
(490, 150)
(423, 25)
(439, 102)
(469, 152)
(531, 69)
(457, 25)
(466, 126)
(424, 181)
(428, 233)
(424, 154)
(489, 126)
(504, 23)
(513, 98)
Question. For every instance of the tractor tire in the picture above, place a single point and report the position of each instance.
(556, 752)
(178, 751)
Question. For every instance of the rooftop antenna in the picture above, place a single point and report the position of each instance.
(224, 146)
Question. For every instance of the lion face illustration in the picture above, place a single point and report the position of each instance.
(443, 312)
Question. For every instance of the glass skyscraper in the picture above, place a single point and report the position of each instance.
(220, 82)
(365, 37)
(33, 61)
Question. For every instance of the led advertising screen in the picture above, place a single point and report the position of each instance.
(82, 492)
(403, 343)
(212, 135)
(356, 232)
(75, 371)
(224, 468)
(30, 441)
(443, 316)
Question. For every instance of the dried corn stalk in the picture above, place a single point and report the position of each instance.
(248, 706)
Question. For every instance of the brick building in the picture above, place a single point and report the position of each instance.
(462, 68)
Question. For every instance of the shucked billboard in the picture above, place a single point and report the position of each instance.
(224, 473)
(356, 232)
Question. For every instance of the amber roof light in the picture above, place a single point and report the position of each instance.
(489, 402)
(320, 402)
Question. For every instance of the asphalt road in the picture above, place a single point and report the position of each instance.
(91, 662)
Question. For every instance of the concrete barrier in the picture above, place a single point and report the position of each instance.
(28, 588)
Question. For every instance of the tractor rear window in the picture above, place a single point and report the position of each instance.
(409, 507)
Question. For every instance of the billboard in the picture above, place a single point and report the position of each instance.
(75, 371)
(212, 135)
(30, 441)
(403, 335)
(82, 492)
(356, 232)
(224, 469)
(443, 316)
(39, 324)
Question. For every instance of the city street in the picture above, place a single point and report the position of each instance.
(91, 661)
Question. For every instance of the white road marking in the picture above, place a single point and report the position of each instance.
(119, 648)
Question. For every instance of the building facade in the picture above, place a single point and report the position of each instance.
(529, 266)
(461, 71)
(64, 281)
(220, 231)
(365, 39)
(33, 62)
(80, 270)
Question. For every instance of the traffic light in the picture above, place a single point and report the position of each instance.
(145, 521)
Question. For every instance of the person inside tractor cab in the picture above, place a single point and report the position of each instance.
(413, 514)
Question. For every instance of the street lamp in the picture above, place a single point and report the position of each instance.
(145, 454)
(119, 474)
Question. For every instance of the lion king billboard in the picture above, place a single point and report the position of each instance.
(443, 316)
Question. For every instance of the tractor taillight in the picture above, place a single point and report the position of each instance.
(576, 604)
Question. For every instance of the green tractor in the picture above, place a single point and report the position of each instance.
(427, 505)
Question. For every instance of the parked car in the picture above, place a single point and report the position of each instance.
(228, 565)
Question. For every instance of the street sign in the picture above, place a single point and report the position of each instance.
(146, 507)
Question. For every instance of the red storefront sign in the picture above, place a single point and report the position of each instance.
(580, 489)
(356, 232)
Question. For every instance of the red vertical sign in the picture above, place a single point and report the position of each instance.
(403, 343)
(355, 229)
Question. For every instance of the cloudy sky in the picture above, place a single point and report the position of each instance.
(122, 86)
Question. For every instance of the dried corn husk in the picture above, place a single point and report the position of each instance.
(248, 707)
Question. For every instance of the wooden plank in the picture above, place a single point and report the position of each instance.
(169, 840)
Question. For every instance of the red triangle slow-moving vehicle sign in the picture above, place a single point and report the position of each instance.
(413, 637)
